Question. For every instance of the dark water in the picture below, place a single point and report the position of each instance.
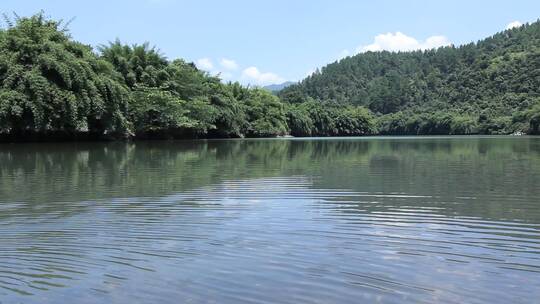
(390, 220)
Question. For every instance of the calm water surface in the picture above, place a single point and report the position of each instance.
(389, 220)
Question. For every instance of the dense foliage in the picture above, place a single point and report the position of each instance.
(489, 87)
(313, 118)
(49, 83)
(53, 85)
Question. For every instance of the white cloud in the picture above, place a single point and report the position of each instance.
(252, 75)
(400, 42)
(228, 64)
(227, 70)
(225, 75)
(205, 64)
(513, 24)
(434, 42)
(344, 54)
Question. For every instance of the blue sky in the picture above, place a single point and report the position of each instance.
(262, 42)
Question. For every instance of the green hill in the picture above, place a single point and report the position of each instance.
(491, 86)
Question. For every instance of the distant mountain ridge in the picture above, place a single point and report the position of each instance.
(278, 87)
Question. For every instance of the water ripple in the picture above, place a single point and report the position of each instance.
(336, 228)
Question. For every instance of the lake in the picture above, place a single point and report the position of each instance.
(334, 220)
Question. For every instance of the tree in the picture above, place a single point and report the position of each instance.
(266, 114)
(50, 83)
(140, 65)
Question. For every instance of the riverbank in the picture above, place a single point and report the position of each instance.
(92, 137)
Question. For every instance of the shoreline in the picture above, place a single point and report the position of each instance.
(89, 139)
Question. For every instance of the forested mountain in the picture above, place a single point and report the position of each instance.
(491, 87)
(53, 87)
